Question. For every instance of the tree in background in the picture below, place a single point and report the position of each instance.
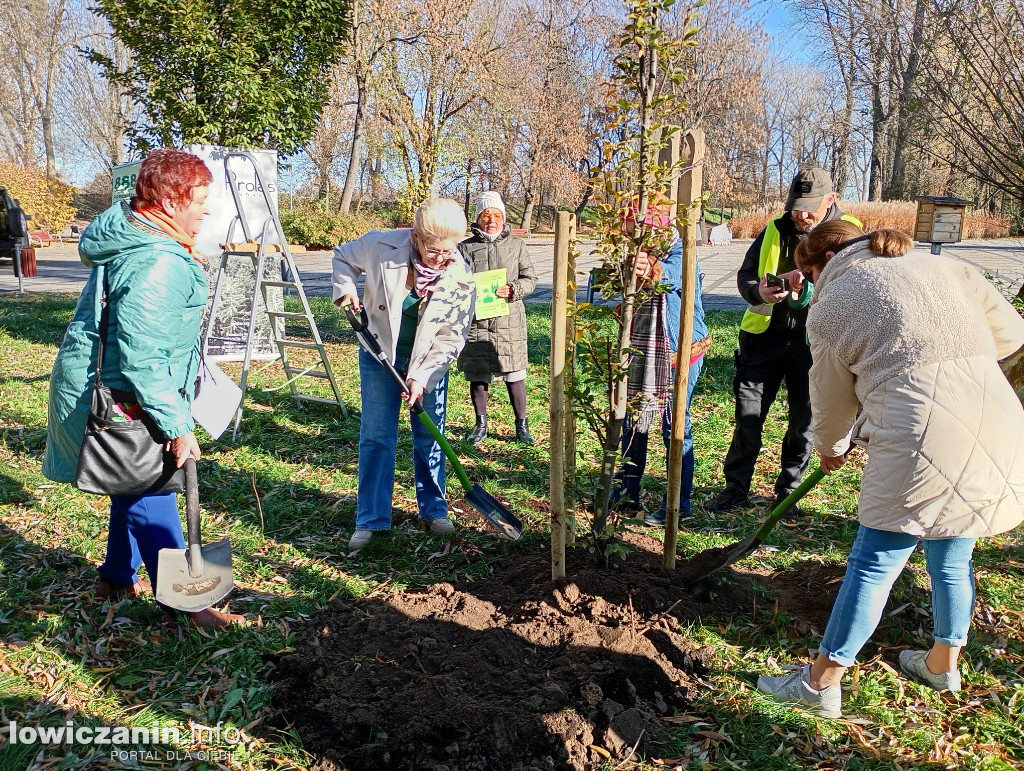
(974, 87)
(46, 199)
(40, 34)
(98, 112)
(228, 72)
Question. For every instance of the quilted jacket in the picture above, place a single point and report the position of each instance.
(499, 344)
(384, 257)
(157, 294)
(915, 341)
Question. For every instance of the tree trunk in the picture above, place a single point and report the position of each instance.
(540, 209)
(842, 160)
(528, 201)
(356, 153)
(878, 126)
(897, 187)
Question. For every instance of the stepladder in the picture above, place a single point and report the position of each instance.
(295, 339)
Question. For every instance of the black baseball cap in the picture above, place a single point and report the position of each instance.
(808, 189)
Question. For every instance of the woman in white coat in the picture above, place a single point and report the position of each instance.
(418, 297)
(913, 341)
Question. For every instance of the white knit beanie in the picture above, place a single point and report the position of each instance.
(490, 200)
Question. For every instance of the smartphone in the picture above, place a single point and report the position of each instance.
(772, 280)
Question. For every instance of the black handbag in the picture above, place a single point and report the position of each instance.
(126, 456)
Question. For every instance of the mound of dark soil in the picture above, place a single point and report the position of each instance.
(509, 672)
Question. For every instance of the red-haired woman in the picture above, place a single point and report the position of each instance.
(141, 254)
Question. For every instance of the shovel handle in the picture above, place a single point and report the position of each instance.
(195, 547)
(192, 501)
(362, 330)
(777, 513)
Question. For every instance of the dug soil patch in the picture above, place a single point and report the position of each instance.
(508, 672)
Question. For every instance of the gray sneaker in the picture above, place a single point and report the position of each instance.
(438, 525)
(358, 541)
(913, 665)
(795, 689)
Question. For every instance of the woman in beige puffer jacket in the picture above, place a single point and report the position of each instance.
(913, 341)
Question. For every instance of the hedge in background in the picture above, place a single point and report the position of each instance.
(47, 202)
(319, 230)
(899, 215)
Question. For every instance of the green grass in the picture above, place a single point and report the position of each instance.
(285, 496)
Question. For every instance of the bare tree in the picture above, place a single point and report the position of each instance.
(40, 35)
(974, 88)
(95, 111)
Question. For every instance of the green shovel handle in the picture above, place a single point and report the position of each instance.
(777, 513)
(445, 447)
(359, 324)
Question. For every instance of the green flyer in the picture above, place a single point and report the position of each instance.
(488, 304)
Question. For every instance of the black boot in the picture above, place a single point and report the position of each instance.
(479, 432)
(523, 432)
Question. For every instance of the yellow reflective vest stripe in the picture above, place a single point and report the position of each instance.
(758, 317)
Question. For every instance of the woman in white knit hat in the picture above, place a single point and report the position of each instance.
(496, 346)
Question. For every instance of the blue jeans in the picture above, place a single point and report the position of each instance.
(877, 559)
(380, 398)
(634, 451)
(140, 526)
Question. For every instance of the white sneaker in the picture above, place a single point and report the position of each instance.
(358, 541)
(795, 689)
(914, 666)
(438, 526)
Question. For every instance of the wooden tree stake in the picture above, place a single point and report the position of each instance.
(565, 231)
(687, 196)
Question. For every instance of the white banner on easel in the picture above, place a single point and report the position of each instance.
(239, 285)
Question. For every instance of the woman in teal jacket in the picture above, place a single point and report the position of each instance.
(157, 291)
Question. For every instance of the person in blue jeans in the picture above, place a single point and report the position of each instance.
(418, 297)
(912, 342)
(656, 332)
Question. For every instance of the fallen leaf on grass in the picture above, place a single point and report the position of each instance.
(713, 735)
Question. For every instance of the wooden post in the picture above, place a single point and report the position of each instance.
(565, 230)
(570, 370)
(688, 195)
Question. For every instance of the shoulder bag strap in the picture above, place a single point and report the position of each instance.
(104, 326)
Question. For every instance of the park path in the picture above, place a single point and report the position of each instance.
(1002, 260)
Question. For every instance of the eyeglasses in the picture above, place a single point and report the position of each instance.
(437, 254)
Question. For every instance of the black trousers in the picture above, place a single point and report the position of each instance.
(761, 366)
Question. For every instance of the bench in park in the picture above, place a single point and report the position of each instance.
(43, 238)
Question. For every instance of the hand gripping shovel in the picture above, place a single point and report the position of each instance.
(711, 561)
(196, 577)
(493, 512)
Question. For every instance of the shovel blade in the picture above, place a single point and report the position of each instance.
(177, 588)
(494, 513)
(710, 561)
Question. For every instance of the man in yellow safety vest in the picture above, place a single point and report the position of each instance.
(773, 342)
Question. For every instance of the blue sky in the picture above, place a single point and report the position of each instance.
(784, 29)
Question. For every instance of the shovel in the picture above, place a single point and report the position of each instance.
(494, 513)
(711, 561)
(196, 577)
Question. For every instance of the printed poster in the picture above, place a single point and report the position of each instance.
(488, 304)
(230, 328)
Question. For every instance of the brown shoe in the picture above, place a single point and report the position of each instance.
(107, 591)
(210, 618)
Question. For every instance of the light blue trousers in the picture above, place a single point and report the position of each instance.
(877, 559)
